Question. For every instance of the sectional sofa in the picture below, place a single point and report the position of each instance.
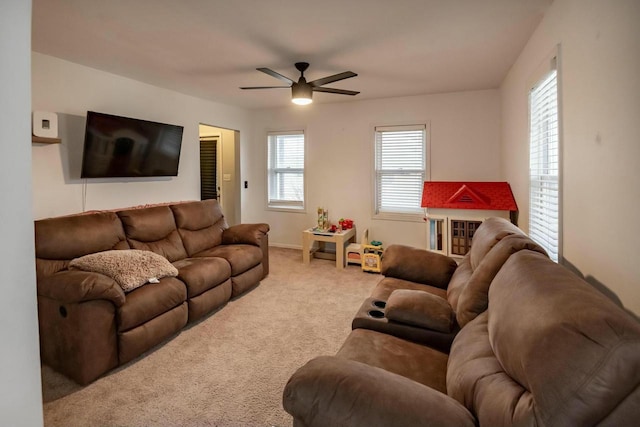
(98, 305)
(507, 338)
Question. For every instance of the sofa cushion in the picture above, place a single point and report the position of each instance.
(134, 342)
(420, 308)
(240, 257)
(200, 224)
(414, 361)
(473, 298)
(148, 302)
(459, 281)
(129, 268)
(153, 229)
(383, 289)
(201, 274)
(490, 232)
(476, 378)
(208, 301)
(58, 240)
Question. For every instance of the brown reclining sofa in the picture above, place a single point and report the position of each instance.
(90, 325)
(427, 297)
(533, 345)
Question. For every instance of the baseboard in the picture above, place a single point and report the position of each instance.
(285, 246)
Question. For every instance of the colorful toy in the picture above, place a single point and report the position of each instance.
(372, 257)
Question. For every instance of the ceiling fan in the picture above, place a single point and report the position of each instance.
(301, 91)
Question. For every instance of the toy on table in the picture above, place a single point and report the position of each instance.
(323, 219)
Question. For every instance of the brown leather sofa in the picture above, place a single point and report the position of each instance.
(89, 325)
(461, 289)
(549, 350)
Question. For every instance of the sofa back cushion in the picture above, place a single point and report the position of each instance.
(550, 350)
(473, 298)
(459, 281)
(200, 224)
(59, 240)
(488, 235)
(153, 229)
(490, 232)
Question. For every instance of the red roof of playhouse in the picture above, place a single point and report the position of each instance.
(468, 195)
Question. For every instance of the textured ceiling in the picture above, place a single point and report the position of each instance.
(209, 48)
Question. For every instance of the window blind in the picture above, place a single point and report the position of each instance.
(400, 159)
(286, 170)
(544, 166)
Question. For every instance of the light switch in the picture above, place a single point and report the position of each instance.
(226, 177)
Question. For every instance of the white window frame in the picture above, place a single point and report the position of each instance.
(416, 215)
(545, 159)
(272, 172)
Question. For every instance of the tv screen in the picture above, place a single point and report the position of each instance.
(117, 146)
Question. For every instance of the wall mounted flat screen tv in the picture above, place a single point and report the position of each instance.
(117, 146)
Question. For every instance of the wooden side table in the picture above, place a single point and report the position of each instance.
(340, 238)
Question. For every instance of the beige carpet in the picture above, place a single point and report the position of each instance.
(229, 369)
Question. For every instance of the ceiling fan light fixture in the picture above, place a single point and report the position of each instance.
(302, 101)
(301, 93)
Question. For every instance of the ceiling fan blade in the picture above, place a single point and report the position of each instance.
(267, 87)
(334, 78)
(276, 75)
(338, 91)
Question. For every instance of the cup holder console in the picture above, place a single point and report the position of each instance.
(379, 304)
(376, 314)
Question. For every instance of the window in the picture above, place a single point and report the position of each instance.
(286, 170)
(544, 165)
(400, 170)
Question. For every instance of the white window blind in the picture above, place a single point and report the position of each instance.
(544, 166)
(286, 170)
(400, 169)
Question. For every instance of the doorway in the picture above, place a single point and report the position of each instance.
(220, 169)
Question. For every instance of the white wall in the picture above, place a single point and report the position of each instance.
(70, 90)
(600, 95)
(20, 389)
(465, 144)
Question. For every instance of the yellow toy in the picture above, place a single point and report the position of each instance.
(372, 257)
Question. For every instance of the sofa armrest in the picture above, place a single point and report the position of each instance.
(421, 309)
(250, 234)
(332, 391)
(72, 286)
(418, 265)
